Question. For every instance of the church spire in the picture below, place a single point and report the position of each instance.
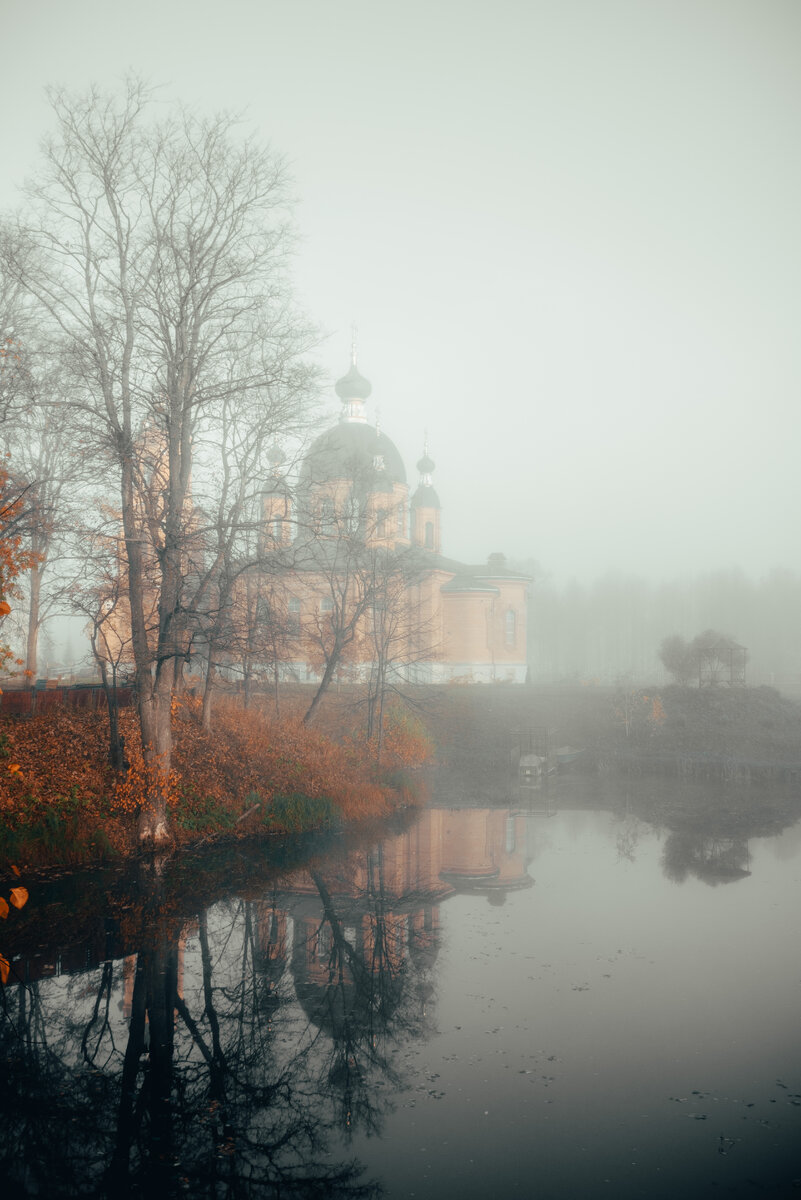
(353, 389)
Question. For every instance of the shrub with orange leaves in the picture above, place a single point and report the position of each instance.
(18, 896)
(248, 754)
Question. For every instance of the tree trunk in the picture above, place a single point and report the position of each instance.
(208, 693)
(32, 650)
(116, 745)
(325, 683)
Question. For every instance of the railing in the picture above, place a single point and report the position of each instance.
(34, 702)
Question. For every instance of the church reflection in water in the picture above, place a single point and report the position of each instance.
(238, 1044)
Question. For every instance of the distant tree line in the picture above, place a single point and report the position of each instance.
(615, 627)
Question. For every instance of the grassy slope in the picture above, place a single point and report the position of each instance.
(59, 802)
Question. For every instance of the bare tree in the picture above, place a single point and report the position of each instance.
(42, 445)
(339, 575)
(159, 252)
(402, 633)
(102, 599)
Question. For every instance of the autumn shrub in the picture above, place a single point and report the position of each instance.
(407, 742)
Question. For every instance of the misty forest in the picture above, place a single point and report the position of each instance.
(350, 847)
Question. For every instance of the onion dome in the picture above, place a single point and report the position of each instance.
(353, 386)
(425, 495)
(276, 484)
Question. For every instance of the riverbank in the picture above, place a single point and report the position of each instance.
(253, 774)
(256, 774)
(712, 760)
(484, 726)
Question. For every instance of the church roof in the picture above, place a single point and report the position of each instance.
(356, 451)
(425, 497)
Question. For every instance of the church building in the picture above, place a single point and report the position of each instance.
(463, 622)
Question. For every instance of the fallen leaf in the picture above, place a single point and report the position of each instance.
(19, 897)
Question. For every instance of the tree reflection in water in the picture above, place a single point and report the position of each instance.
(224, 1062)
(713, 860)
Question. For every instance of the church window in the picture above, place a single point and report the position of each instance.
(429, 535)
(277, 529)
(327, 514)
(511, 627)
(326, 604)
(381, 523)
(401, 523)
(294, 614)
(378, 462)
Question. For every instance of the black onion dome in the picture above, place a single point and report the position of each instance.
(356, 451)
(426, 465)
(353, 386)
(425, 497)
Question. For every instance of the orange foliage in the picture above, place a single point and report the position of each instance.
(62, 761)
(249, 753)
(19, 898)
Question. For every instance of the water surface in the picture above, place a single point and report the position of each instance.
(528, 1000)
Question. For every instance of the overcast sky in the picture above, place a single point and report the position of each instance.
(569, 232)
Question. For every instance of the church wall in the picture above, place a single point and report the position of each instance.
(487, 633)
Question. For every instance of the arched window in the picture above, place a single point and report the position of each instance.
(401, 522)
(277, 529)
(511, 627)
(429, 535)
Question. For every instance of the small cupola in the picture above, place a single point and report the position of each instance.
(425, 507)
(353, 389)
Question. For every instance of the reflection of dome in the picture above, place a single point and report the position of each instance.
(337, 1004)
(353, 451)
(353, 386)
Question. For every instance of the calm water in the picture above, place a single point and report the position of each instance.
(488, 1002)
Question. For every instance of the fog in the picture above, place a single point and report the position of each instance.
(568, 234)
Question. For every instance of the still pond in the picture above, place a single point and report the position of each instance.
(547, 999)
